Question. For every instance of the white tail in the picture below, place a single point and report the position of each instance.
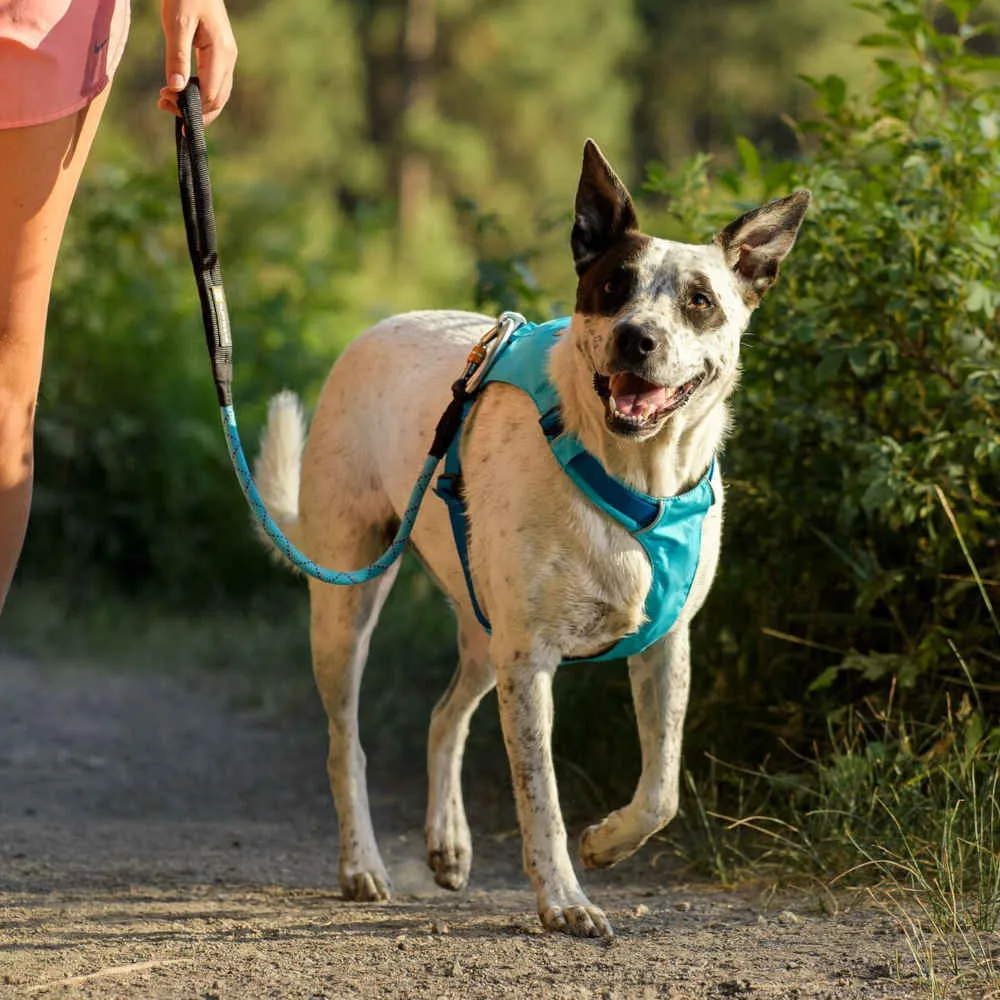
(279, 463)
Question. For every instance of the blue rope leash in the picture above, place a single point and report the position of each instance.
(199, 224)
(297, 556)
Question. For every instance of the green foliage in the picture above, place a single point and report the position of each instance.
(874, 379)
(865, 476)
(732, 68)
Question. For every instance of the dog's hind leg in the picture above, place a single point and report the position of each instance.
(341, 623)
(449, 843)
(660, 679)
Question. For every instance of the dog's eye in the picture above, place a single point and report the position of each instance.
(699, 300)
(616, 283)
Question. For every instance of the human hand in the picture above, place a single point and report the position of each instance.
(203, 25)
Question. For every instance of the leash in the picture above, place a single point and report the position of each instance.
(199, 223)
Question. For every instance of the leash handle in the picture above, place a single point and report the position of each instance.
(199, 224)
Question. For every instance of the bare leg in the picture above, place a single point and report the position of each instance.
(40, 167)
(449, 843)
(342, 621)
(524, 692)
(660, 681)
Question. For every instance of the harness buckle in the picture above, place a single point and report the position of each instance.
(489, 348)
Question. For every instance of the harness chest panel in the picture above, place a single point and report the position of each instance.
(667, 528)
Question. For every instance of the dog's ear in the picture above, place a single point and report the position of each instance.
(604, 209)
(756, 243)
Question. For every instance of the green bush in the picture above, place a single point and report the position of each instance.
(873, 381)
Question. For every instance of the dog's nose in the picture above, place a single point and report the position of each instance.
(633, 342)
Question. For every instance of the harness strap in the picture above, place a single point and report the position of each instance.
(449, 489)
(624, 502)
(582, 467)
(635, 511)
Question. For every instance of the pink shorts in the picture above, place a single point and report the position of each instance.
(56, 56)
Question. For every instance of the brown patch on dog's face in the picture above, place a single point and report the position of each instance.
(699, 304)
(611, 280)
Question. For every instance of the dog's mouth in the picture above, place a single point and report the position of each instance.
(634, 405)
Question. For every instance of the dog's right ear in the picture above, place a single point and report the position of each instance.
(604, 209)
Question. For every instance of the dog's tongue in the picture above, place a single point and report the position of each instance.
(635, 397)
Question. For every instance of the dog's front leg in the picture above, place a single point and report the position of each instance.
(524, 692)
(660, 679)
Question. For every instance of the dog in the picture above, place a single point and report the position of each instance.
(643, 373)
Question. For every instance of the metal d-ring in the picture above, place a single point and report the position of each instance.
(493, 343)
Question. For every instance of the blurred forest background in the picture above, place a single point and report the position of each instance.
(424, 153)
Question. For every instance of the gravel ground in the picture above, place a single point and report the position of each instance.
(155, 842)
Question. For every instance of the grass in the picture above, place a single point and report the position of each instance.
(945, 895)
(908, 811)
(939, 869)
(258, 655)
(910, 820)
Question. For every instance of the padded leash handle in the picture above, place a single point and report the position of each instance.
(199, 223)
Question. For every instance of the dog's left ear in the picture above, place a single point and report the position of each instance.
(756, 243)
(604, 209)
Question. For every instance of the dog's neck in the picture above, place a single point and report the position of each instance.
(665, 465)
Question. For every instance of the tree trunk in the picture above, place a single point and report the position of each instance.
(419, 39)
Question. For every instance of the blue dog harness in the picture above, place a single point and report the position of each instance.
(667, 528)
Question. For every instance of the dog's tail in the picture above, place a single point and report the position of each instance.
(279, 464)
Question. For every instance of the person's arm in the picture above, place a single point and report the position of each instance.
(204, 26)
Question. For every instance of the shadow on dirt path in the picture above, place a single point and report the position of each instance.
(156, 843)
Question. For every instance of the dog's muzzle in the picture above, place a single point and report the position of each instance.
(634, 405)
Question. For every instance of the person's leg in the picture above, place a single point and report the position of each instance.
(39, 170)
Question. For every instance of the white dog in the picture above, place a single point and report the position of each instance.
(642, 374)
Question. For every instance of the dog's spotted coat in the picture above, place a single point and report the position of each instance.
(643, 375)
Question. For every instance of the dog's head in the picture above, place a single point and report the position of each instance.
(660, 322)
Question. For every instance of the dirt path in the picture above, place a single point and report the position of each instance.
(155, 843)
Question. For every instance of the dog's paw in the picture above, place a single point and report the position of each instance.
(449, 845)
(366, 887)
(606, 843)
(451, 865)
(585, 920)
